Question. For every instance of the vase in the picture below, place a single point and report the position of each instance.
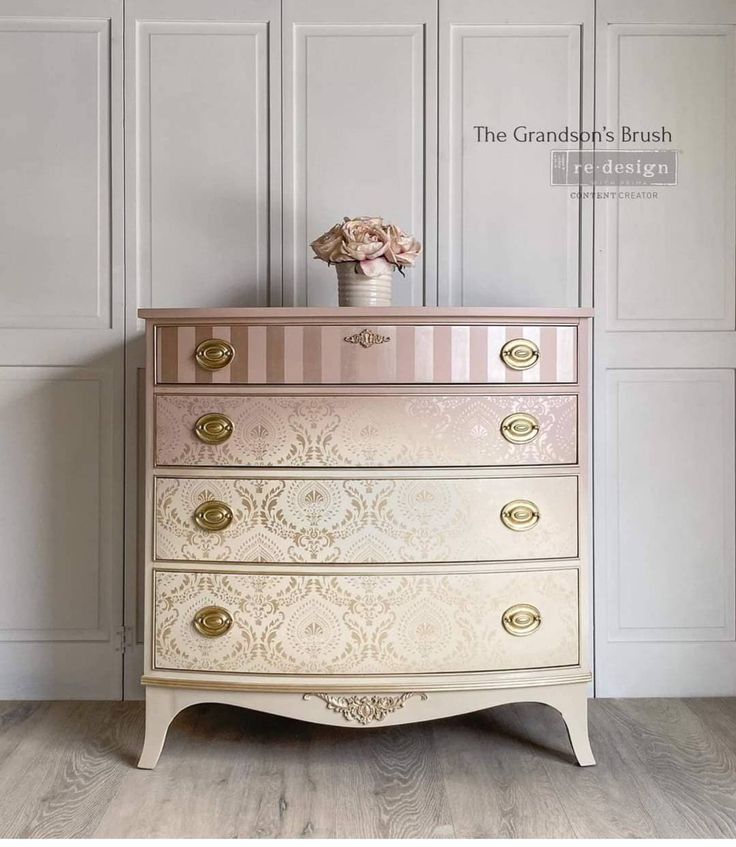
(354, 288)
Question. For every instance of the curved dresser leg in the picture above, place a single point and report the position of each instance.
(161, 709)
(572, 703)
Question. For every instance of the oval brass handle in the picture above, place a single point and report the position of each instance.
(213, 621)
(214, 353)
(213, 516)
(521, 619)
(213, 428)
(519, 428)
(520, 354)
(520, 515)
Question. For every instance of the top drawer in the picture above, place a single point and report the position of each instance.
(293, 354)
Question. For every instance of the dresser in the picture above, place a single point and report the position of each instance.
(365, 517)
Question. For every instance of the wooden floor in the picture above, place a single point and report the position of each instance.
(667, 768)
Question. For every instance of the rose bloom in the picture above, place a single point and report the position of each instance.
(403, 249)
(329, 247)
(375, 246)
(364, 238)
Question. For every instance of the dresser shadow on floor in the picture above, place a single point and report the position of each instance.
(218, 724)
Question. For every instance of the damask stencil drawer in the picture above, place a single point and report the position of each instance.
(346, 624)
(365, 353)
(336, 519)
(341, 430)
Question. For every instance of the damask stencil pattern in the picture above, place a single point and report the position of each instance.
(387, 624)
(335, 520)
(367, 431)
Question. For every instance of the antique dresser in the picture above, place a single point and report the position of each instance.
(366, 517)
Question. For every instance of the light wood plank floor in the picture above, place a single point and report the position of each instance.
(667, 768)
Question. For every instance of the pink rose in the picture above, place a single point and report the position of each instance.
(403, 249)
(376, 267)
(363, 238)
(328, 247)
(378, 247)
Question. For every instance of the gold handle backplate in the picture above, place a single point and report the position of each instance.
(520, 354)
(214, 353)
(520, 515)
(213, 516)
(519, 428)
(213, 428)
(521, 619)
(213, 621)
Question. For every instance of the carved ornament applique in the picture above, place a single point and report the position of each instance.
(365, 709)
(367, 338)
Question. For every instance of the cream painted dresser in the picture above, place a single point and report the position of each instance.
(366, 517)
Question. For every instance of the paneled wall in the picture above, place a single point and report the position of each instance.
(506, 236)
(203, 152)
(359, 132)
(61, 348)
(665, 359)
(253, 125)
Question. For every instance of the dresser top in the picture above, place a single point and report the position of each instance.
(376, 313)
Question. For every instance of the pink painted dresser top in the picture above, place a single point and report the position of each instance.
(376, 314)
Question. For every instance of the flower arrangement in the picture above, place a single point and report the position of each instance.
(377, 247)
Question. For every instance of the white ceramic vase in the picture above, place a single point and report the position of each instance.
(354, 288)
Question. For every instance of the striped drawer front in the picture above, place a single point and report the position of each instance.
(365, 624)
(342, 430)
(326, 354)
(331, 520)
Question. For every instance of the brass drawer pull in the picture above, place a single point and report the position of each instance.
(213, 621)
(520, 515)
(521, 619)
(520, 428)
(214, 428)
(213, 516)
(214, 353)
(520, 354)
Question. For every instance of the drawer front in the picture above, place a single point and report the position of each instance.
(355, 354)
(340, 624)
(366, 431)
(366, 520)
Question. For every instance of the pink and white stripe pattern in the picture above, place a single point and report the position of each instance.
(306, 354)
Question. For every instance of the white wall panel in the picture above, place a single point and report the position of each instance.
(55, 522)
(54, 172)
(670, 505)
(680, 77)
(202, 162)
(507, 237)
(359, 134)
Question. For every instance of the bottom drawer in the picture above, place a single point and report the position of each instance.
(361, 624)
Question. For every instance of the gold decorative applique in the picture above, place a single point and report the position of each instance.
(367, 338)
(365, 709)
